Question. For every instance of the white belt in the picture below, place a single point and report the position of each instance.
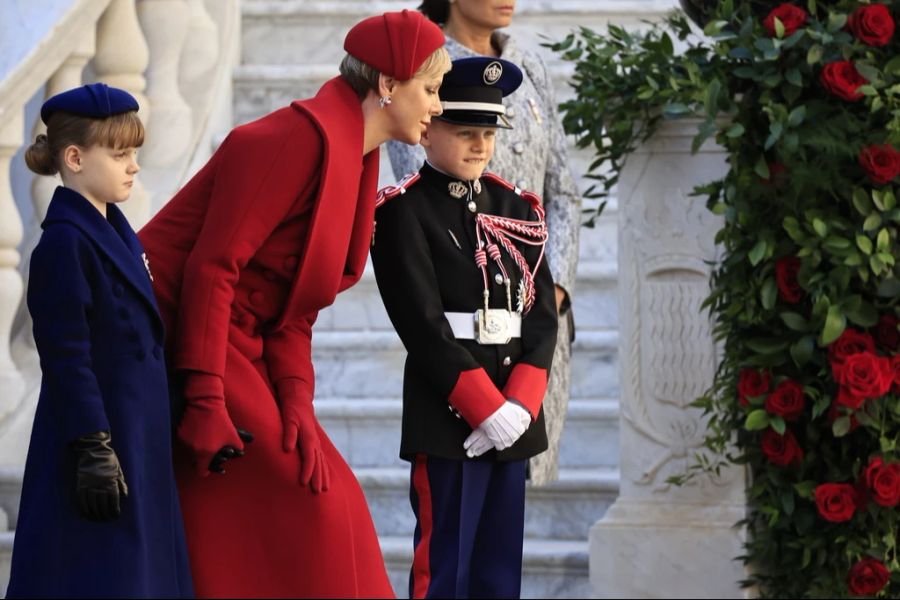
(463, 324)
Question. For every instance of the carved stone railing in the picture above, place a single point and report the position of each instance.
(176, 57)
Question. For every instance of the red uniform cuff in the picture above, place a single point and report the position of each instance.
(527, 384)
(475, 396)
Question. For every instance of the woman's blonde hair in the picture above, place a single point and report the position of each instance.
(363, 78)
(123, 130)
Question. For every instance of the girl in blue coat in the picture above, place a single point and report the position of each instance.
(99, 514)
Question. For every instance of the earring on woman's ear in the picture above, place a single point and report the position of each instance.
(384, 101)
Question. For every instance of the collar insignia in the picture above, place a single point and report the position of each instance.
(457, 189)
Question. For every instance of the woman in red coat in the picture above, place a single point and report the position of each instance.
(244, 256)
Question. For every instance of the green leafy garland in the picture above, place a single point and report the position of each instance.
(805, 98)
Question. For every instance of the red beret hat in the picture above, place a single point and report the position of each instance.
(395, 43)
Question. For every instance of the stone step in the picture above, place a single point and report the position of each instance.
(367, 364)
(564, 509)
(550, 568)
(361, 308)
(367, 431)
(309, 31)
(6, 546)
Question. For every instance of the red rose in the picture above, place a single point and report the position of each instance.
(792, 17)
(881, 163)
(847, 398)
(752, 383)
(895, 367)
(842, 79)
(786, 400)
(852, 341)
(836, 501)
(867, 577)
(886, 331)
(834, 412)
(781, 450)
(786, 270)
(866, 375)
(883, 481)
(872, 24)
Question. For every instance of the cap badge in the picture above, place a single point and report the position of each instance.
(492, 73)
(457, 189)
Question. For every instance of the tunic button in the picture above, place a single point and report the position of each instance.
(118, 290)
(290, 263)
(511, 112)
(141, 354)
(507, 361)
(472, 207)
(518, 147)
(157, 353)
(256, 297)
(498, 278)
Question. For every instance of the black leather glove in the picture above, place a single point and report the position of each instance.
(226, 453)
(99, 481)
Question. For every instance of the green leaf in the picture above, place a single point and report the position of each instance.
(794, 321)
(712, 97)
(836, 21)
(888, 199)
(883, 241)
(872, 222)
(797, 115)
(867, 90)
(762, 168)
(793, 77)
(864, 243)
(769, 293)
(841, 426)
(815, 54)
(766, 345)
(802, 350)
(865, 315)
(889, 288)
(820, 227)
(675, 109)
(779, 28)
(757, 253)
(806, 489)
(835, 323)
(861, 202)
(821, 405)
(756, 420)
(777, 423)
(787, 501)
(735, 131)
(775, 131)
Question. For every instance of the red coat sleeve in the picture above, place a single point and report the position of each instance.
(288, 356)
(262, 170)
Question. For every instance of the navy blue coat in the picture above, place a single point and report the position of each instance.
(100, 340)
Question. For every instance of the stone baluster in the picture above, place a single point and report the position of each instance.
(657, 536)
(11, 381)
(170, 131)
(199, 59)
(66, 77)
(122, 56)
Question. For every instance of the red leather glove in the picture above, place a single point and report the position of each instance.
(205, 427)
(299, 431)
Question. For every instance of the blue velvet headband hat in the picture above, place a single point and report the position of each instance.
(97, 101)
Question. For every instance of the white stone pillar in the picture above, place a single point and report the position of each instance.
(660, 540)
(11, 381)
(170, 131)
(199, 59)
(122, 56)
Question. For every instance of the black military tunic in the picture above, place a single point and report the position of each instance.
(424, 258)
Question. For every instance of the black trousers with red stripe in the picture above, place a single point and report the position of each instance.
(470, 519)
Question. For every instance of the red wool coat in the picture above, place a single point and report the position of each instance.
(243, 258)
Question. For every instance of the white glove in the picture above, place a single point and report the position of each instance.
(477, 443)
(506, 425)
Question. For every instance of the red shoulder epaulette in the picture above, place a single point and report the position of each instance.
(531, 197)
(392, 191)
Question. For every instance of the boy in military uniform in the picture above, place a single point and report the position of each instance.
(458, 258)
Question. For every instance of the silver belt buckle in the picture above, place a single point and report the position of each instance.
(492, 326)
